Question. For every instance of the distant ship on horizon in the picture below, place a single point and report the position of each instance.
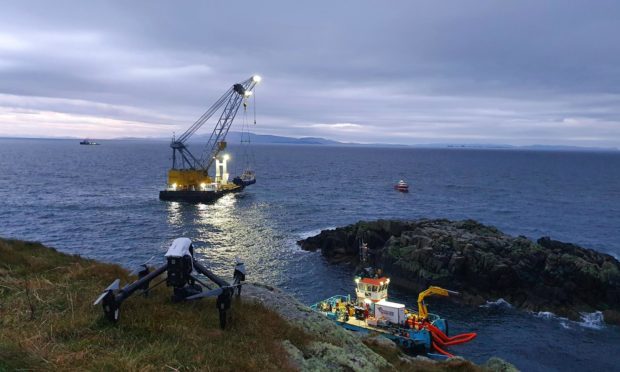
(86, 141)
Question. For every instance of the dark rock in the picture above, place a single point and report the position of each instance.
(483, 263)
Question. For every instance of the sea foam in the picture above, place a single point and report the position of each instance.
(594, 320)
(308, 234)
(545, 315)
(497, 303)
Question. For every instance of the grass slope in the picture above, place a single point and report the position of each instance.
(47, 321)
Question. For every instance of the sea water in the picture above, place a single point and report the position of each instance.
(102, 202)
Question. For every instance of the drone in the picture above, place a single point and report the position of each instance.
(180, 267)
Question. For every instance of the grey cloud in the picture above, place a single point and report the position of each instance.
(478, 71)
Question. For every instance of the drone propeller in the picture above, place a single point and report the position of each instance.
(109, 302)
(239, 265)
(143, 267)
(239, 274)
(111, 288)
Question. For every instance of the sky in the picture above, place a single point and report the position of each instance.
(409, 72)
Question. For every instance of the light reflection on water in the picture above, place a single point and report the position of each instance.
(174, 215)
(237, 226)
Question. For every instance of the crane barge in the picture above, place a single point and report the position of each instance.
(189, 179)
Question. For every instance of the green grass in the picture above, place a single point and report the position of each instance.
(48, 322)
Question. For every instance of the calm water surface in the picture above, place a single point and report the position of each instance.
(101, 202)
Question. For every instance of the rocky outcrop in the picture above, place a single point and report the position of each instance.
(337, 348)
(483, 264)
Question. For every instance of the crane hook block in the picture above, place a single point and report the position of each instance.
(239, 89)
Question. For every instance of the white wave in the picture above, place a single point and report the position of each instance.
(497, 303)
(545, 315)
(307, 234)
(593, 320)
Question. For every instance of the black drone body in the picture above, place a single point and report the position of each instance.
(180, 267)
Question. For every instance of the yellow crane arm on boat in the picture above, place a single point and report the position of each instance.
(432, 290)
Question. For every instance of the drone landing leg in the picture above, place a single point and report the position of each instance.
(110, 307)
(223, 304)
(222, 319)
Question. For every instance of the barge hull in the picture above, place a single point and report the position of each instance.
(195, 196)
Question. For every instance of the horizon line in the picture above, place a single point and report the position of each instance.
(453, 145)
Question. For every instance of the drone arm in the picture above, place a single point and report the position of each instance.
(129, 289)
(206, 272)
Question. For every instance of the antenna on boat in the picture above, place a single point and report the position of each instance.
(363, 250)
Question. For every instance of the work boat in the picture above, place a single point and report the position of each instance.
(418, 332)
(401, 186)
(247, 178)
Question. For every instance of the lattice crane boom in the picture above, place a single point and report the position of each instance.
(214, 145)
(182, 158)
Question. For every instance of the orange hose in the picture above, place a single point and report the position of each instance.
(444, 340)
(441, 351)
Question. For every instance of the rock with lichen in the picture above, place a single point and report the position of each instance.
(337, 349)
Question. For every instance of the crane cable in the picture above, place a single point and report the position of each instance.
(245, 136)
(254, 108)
(252, 154)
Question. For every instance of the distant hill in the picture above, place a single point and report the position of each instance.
(235, 137)
(513, 147)
(567, 148)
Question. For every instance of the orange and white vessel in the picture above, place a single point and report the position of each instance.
(418, 331)
(401, 186)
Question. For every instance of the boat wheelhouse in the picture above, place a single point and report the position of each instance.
(371, 290)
